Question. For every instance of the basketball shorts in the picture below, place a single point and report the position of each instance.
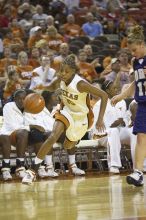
(76, 124)
(140, 119)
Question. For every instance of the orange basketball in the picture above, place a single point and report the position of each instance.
(34, 103)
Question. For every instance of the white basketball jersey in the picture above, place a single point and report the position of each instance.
(74, 101)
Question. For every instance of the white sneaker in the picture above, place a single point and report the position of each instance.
(50, 171)
(76, 171)
(42, 172)
(114, 170)
(6, 174)
(29, 177)
(21, 172)
(135, 178)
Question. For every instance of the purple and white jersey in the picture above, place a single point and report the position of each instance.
(139, 67)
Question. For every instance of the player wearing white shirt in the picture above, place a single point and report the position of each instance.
(15, 131)
(114, 122)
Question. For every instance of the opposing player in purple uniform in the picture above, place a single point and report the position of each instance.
(137, 46)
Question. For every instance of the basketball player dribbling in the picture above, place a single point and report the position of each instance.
(75, 115)
(137, 47)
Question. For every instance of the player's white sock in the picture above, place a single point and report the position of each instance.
(48, 159)
(72, 159)
(37, 160)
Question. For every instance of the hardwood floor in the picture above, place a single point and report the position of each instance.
(78, 198)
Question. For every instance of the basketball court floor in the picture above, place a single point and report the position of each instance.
(92, 197)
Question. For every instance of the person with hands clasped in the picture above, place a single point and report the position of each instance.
(75, 115)
(136, 44)
(43, 74)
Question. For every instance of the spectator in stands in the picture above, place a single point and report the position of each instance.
(39, 14)
(58, 10)
(53, 64)
(55, 61)
(86, 3)
(87, 71)
(71, 5)
(13, 83)
(114, 121)
(101, 4)
(43, 47)
(109, 27)
(125, 86)
(71, 29)
(64, 51)
(26, 6)
(15, 43)
(5, 18)
(5, 62)
(114, 5)
(119, 74)
(26, 21)
(50, 21)
(114, 75)
(124, 56)
(35, 36)
(90, 56)
(133, 4)
(92, 28)
(34, 59)
(16, 29)
(24, 70)
(44, 73)
(54, 39)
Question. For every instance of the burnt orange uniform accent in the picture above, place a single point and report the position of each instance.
(34, 63)
(10, 42)
(4, 63)
(62, 118)
(32, 41)
(54, 43)
(87, 71)
(55, 65)
(11, 87)
(17, 32)
(72, 30)
(25, 72)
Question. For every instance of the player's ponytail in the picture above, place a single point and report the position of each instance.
(135, 35)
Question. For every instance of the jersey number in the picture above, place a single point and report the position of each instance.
(142, 88)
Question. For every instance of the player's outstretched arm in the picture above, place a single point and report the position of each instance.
(127, 92)
(88, 88)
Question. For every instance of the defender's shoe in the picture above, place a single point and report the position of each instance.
(135, 178)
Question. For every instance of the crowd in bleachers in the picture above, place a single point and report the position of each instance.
(36, 36)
